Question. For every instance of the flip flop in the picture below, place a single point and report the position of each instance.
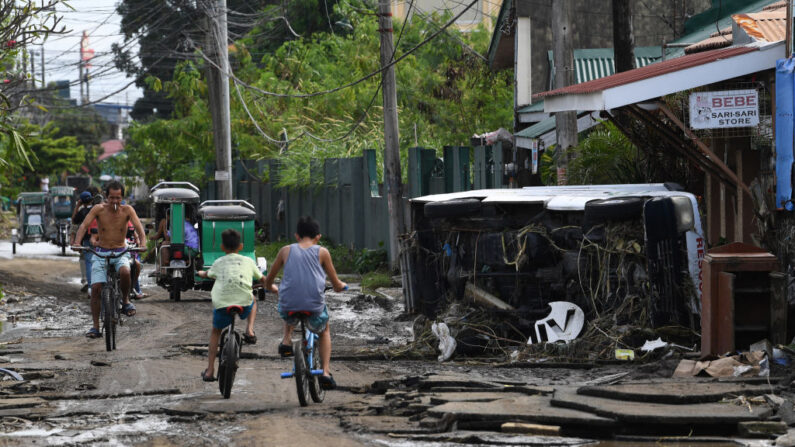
(207, 378)
(93, 333)
(128, 309)
(250, 339)
(285, 351)
(327, 382)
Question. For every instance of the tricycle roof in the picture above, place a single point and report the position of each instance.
(227, 210)
(32, 198)
(62, 191)
(175, 195)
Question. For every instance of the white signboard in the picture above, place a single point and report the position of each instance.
(221, 176)
(724, 109)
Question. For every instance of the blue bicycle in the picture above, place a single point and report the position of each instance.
(306, 365)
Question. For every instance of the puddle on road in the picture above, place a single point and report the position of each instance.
(370, 318)
(23, 314)
(121, 431)
(38, 250)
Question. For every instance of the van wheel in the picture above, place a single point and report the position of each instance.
(452, 208)
(617, 208)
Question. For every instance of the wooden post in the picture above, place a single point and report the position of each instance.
(565, 122)
(392, 177)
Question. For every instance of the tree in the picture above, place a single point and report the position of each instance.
(166, 33)
(443, 91)
(21, 24)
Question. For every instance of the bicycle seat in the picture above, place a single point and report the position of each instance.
(234, 309)
(305, 313)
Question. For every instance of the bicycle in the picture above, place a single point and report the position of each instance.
(230, 344)
(111, 302)
(306, 363)
(307, 366)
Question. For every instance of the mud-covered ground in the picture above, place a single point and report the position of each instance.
(148, 391)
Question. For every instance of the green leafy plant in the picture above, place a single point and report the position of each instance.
(374, 280)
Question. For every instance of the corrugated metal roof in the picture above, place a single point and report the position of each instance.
(536, 107)
(538, 129)
(650, 71)
(768, 26)
(595, 63)
(703, 25)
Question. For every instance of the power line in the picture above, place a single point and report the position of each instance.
(433, 35)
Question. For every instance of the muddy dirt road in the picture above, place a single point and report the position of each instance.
(149, 390)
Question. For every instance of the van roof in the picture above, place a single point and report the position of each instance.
(560, 198)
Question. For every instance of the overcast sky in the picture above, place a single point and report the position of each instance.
(61, 53)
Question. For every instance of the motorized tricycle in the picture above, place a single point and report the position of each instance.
(32, 215)
(174, 211)
(62, 198)
(216, 217)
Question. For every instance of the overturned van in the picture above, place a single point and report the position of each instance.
(597, 246)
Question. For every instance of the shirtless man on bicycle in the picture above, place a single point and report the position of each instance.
(112, 218)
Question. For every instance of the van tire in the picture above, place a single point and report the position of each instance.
(616, 208)
(452, 208)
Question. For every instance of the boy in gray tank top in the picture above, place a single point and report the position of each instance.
(302, 288)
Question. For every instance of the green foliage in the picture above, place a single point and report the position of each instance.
(371, 260)
(444, 92)
(605, 156)
(374, 280)
(270, 250)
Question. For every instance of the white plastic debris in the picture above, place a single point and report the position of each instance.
(564, 322)
(651, 345)
(446, 341)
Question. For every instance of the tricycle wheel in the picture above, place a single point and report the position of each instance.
(63, 250)
(175, 295)
(13, 248)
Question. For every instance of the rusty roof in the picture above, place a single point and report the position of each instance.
(650, 71)
(770, 25)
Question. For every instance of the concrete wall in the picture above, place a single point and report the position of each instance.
(592, 27)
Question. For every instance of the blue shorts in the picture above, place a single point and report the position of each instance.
(98, 273)
(316, 322)
(222, 318)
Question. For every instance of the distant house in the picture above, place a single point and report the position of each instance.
(484, 11)
(111, 148)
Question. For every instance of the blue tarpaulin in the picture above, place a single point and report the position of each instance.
(785, 88)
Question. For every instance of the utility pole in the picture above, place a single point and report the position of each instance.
(623, 36)
(32, 69)
(80, 74)
(218, 86)
(43, 83)
(392, 177)
(565, 122)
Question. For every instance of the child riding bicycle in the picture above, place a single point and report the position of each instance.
(233, 275)
(302, 288)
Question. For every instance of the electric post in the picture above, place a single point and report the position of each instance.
(392, 177)
(565, 122)
(218, 86)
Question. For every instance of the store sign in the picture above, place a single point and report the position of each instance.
(724, 109)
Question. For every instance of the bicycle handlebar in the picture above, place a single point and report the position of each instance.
(109, 255)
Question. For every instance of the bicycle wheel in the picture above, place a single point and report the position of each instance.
(228, 364)
(301, 380)
(315, 390)
(107, 317)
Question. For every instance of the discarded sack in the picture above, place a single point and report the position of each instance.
(446, 341)
(747, 364)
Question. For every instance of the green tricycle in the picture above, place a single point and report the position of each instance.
(174, 208)
(32, 215)
(217, 216)
(62, 198)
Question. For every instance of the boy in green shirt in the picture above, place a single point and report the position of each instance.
(233, 275)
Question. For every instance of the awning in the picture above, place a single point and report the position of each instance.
(663, 78)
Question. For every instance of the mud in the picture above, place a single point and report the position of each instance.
(148, 391)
